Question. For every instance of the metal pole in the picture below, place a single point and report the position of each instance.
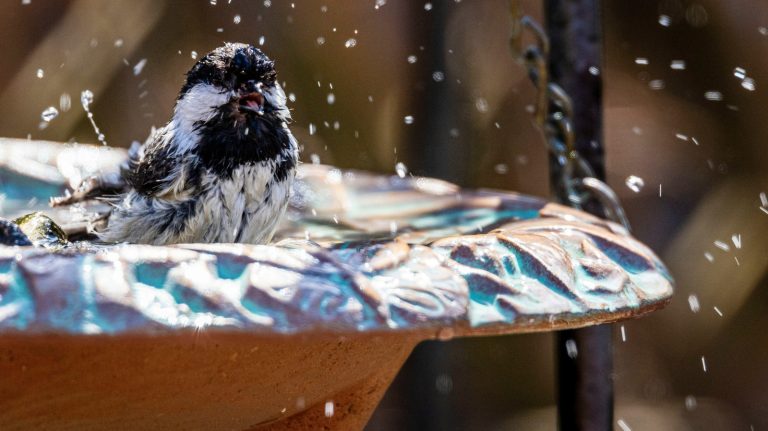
(584, 356)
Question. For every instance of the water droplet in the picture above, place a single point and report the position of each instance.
(763, 30)
(623, 425)
(213, 2)
(40, 73)
(571, 349)
(690, 403)
(704, 364)
(623, 334)
(641, 61)
(427, 6)
(677, 65)
(444, 384)
(412, 59)
(49, 113)
(401, 170)
(193, 54)
(65, 102)
(593, 70)
(501, 168)
(291, 97)
(656, 84)
(350, 43)
(748, 84)
(267, 3)
(408, 119)
(315, 159)
(118, 43)
(379, 3)
(312, 129)
(693, 302)
(329, 409)
(665, 20)
(139, 66)
(262, 39)
(236, 19)
(722, 246)
(714, 96)
(438, 76)
(86, 98)
(331, 99)
(634, 183)
(320, 40)
(481, 104)
(736, 239)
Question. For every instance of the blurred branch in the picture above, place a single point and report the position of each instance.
(82, 67)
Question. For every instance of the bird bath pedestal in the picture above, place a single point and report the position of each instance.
(302, 334)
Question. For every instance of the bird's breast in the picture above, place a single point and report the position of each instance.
(244, 207)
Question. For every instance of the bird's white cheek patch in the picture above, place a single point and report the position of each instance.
(199, 104)
(276, 96)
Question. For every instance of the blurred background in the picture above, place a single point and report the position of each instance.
(433, 85)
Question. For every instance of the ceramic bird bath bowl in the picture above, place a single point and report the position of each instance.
(302, 334)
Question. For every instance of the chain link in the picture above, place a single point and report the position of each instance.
(553, 113)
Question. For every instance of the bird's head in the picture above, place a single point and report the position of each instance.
(232, 105)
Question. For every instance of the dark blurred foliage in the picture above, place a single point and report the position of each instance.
(703, 162)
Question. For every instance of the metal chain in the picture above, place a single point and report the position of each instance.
(553, 113)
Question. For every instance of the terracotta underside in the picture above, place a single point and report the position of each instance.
(195, 381)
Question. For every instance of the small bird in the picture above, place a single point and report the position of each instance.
(221, 170)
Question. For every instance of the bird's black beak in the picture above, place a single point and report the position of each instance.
(252, 98)
(253, 102)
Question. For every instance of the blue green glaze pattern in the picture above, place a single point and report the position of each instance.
(356, 252)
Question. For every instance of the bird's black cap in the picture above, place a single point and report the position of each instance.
(230, 66)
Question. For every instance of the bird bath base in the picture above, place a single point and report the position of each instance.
(196, 380)
(305, 333)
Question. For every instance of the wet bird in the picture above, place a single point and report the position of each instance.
(221, 170)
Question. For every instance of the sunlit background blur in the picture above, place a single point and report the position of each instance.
(433, 85)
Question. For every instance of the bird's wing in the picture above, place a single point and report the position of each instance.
(149, 170)
(156, 170)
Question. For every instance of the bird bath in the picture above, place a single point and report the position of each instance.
(304, 333)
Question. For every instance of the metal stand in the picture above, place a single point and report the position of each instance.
(584, 356)
(565, 65)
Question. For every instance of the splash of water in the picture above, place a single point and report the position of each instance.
(86, 98)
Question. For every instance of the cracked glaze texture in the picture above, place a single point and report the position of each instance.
(358, 252)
